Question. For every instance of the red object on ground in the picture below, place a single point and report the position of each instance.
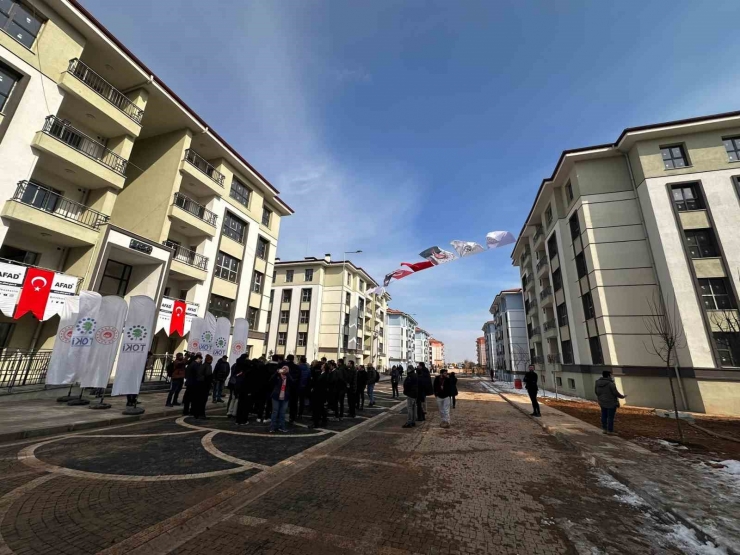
(517, 383)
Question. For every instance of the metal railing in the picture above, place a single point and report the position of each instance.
(532, 307)
(156, 368)
(105, 89)
(554, 359)
(537, 233)
(538, 359)
(197, 210)
(546, 292)
(536, 330)
(550, 324)
(523, 257)
(186, 256)
(18, 368)
(541, 262)
(199, 162)
(42, 198)
(76, 139)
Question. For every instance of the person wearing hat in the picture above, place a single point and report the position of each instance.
(608, 397)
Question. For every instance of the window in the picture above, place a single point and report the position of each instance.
(115, 279)
(347, 299)
(19, 255)
(557, 280)
(302, 339)
(289, 276)
(728, 348)
(674, 157)
(588, 305)
(233, 228)
(715, 294)
(345, 342)
(686, 197)
(281, 338)
(220, 306)
(227, 267)
(571, 383)
(269, 317)
(701, 243)
(552, 246)
(362, 285)
(8, 79)
(732, 146)
(559, 381)
(272, 295)
(262, 249)
(346, 319)
(258, 280)
(575, 226)
(548, 215)
(305, 295)
(19, 22)
(303, 319)
(567, 350)
(581, 267)
(596, 355)
(349, 279)
(252, 317)
(239, 192)
(308, 275)
(569, 192)
(360, 306)
(266, 215)
(284, 316)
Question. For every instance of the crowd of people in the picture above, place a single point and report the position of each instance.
(418, 385)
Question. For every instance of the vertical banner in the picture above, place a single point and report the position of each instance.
(103, 351)
(60, 372)
(137, 337)
(196, 330)
(62, 288)
(83, 334)
(221, 341)
(35, 293)
(208, 336)
(11, 281)
(239, 339)
(190, 312)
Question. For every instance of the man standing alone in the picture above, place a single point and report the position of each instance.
(530, 384)
(373, 377)
(395, 376)
(443, 392)
(608, 396)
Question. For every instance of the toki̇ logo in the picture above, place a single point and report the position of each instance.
(135, 339)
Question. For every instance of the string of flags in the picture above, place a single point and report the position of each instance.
(434, 256)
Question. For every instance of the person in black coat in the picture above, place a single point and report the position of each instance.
(411, 391)
(361, 384)
(242, 386)
(295, 375)
(425, 389)
(530, 384)
(191, 383)
(220, 375)
(320, 384)
(453, 385)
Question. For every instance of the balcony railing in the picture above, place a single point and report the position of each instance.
(535, 330)
(18, 368)
(63, 131)
(105, 89)
(33, 194)
(192, 207)
(186, 256)
(538, 359)
(532, 307)
(537, 233)
(550, 324)
(554, 358)
(541, 262)
(199, 162)
(523, 257)
(546, 292)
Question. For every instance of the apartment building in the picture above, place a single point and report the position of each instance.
(618, 227)
(110, 178)
(322, 308)
(489, 336)
(422, 349)
(510, 342)
(401, 329)
(438, 352)
(480, 351)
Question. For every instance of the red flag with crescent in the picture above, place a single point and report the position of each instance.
(418, 266)
(177, 323)
(35, 293)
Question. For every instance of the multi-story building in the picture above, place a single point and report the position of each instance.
(480, 351)
(401, 338)
(620, 230)
(323, 308)
(510, 347)
(489, 335)
(438, 353)
(109, 177)
(422, 349)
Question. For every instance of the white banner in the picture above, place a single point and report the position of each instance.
(203, 335)
(496, 239)
(221, 343)
(60, 372)
(102, 354)
(62, 288)
(466, 248)
(11, 282)
(239, 339)
(83, 335)
(137, 336)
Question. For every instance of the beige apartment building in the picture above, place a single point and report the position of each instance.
(109, 177)
(323, 308)
(438, 352)
(653, 215)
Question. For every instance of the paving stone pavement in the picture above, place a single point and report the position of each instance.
(494, 482)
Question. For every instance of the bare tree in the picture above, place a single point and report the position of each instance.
(520, 358)
(666, 337)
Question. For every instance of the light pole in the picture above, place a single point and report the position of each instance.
(341, 303)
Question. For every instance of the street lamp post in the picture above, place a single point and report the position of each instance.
(341, 303)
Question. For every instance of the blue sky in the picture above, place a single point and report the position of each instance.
(392, 126)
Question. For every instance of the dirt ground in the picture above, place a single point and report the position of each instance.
(644, 427)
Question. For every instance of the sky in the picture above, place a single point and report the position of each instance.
(392, 126)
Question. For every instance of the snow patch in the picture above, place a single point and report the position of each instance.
(625, 495)
(686, 539)
(730, 467)
(670, 445)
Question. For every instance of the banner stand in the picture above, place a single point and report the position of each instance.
(78, 401)
(100, 405)
(128, 411)
(68, 397)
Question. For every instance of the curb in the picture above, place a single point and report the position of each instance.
(655, 503)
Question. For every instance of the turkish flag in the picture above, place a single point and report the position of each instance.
(418, 266)
(35, 293)
(177, 323)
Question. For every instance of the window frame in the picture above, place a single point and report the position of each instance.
(28, 11)
(731, 302)
(304, 315)
(303, 295)
(238, 195)
(569, 192)
(684, 156)
(595, 340)
(289, 275)
(302, 339)
(285, 316)
(123, 280)
(217, 312)
(308, 274)
(258, 277)
(724, 344)
(581, 265)
(566, 348)
(694, 233)
(735, 141)
(253, 311)
(287, 296)
(227, 230)
(266, 212)
(575, 230)
(696, 191)
(262, 251)
(557, 283)
(226, 271)
(282, 338)
(548, 215)
(15, 78)
(589, 311)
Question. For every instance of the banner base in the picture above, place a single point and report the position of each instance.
(66, 398)
(132, 410)
(100, 406)
(78, 402)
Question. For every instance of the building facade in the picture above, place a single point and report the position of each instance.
(480, 351)
(110, 178)
(511, 348)
(322, 308)
(401, 338)
(438, 353)
(489, 335)
(621, 231)
(422, 349)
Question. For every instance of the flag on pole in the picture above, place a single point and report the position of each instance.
(466, 248)
(419, 266)
(396, 274)
(60, 372)
(221, 341)
(437, 256)
(102, 354)
(239, 339)
(135, 342)
(496, 239)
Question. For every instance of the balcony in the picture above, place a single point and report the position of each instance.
(550, 325)
(113, 110)
(546, 295)
(38, 210)
(538, 359)
(79, 158)
(554, 358)
(187, 264)
(531, 307)
(539, 233)
(541, 264)
(201, 177)
(192, 219)
(524, 257)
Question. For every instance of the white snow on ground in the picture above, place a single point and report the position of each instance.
(670, 444)
(731, 467)
(625, 495)
(508, 387)
(686, 539)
